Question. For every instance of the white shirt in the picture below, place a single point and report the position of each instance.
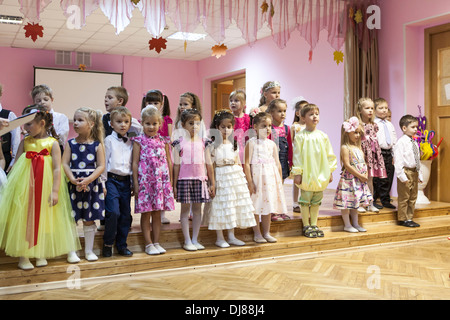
(118, 156)
(15, 137)
(61, 124)
(381, 134)
(404, 157)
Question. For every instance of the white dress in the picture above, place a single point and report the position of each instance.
(269, 196)
(232, 206)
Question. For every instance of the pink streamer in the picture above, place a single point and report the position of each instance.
(32, 9)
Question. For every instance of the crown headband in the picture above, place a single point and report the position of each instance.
(272, 84)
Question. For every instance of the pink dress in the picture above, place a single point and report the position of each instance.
(240, 128)
(155, 189)
(372, 151)
(164, 129)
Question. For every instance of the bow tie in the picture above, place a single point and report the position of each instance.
(125, 139)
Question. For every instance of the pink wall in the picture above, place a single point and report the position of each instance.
(320, 82)
(139, 75)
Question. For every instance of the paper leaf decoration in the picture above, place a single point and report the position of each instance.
(310, 56)
(135, 1)
(264, 7)
(219, 51)
(185, 46)
(158, 44)
(338, 57)
(358, 16)
(351, 13)
(34, 30)
(272, 9)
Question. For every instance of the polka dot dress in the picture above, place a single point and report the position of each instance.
(87, 205)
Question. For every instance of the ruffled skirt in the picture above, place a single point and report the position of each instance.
(232, 206)
(56, 231)
(351, 193)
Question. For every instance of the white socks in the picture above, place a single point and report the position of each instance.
(89, 236)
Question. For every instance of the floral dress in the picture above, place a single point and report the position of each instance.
(372, 151)
(155, 188)
(351, 193)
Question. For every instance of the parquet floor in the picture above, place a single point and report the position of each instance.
(414, 271)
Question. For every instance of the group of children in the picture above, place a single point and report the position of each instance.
(236, 170)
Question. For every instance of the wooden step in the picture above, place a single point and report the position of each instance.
(381, 229)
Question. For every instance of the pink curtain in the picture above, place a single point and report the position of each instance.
(309, 17)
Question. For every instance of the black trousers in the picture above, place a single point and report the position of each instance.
(382, 186)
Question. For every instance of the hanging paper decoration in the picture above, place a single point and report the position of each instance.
(219, 51)
(264, 7)
(358, 16)
(158, 44)
(82, 67)
(185, 46)
(338, 56)
(34, 30)
(310, 56)
(135, 1)
(272, 9)
(351, 13)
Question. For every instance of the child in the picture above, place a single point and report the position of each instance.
(191, 156)
(232, 206)
(11, 140)
(2, 167)
(369, 144)
(43, 95)
(84, 162)
(152, 177)
(270, 91)
(188, 100)
(118, 157)
(282, 136)
(161, 102)
(118, 97)
(387, 138)
(242, 120)
(36, 220)
(314, 163)
(407, 169)
(352, 190)
(263, 173)
(297, 126)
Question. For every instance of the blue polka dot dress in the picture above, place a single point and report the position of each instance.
(86, 205)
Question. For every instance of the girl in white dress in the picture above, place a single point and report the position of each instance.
(232, 206)
(263, 172)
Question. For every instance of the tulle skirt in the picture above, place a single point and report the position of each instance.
(56, 234)
(232, 206)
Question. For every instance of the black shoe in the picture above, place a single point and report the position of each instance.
(408, 223)
(389, 206)
(415, 224)
(107, 251)
(125, 252)
(377, 206)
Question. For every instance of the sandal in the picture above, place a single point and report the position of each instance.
(318, 231)
(284, 217)
(276, 217)
(309, 232)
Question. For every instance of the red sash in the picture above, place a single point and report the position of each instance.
(35, 197)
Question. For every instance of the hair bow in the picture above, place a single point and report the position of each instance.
(351, 124)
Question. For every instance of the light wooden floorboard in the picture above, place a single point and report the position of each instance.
(418, 271)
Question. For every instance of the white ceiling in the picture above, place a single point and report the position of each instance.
(99, 36)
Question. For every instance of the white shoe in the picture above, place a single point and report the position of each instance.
(159, 248)
(360, 229)
(270, 239)
(259, 240)
(361, 209)
(236, 242)
(72, 257)
(222, 244)
(373, 208)
(25, 264)
(150, 249)
(41, 262)
(101, 228)
(189, 247)
(350, 229)
(90, 256)
(165, 220)
(198, 246)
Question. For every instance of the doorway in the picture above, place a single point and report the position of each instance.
(221, 89)
(437, 101)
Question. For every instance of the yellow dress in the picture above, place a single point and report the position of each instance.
(29, 226)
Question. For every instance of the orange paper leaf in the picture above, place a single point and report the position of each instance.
(158, 44)
(358, 16)
(219, 51)
(34, 30)
(338, 56)
(264, 7)
(135, 1)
